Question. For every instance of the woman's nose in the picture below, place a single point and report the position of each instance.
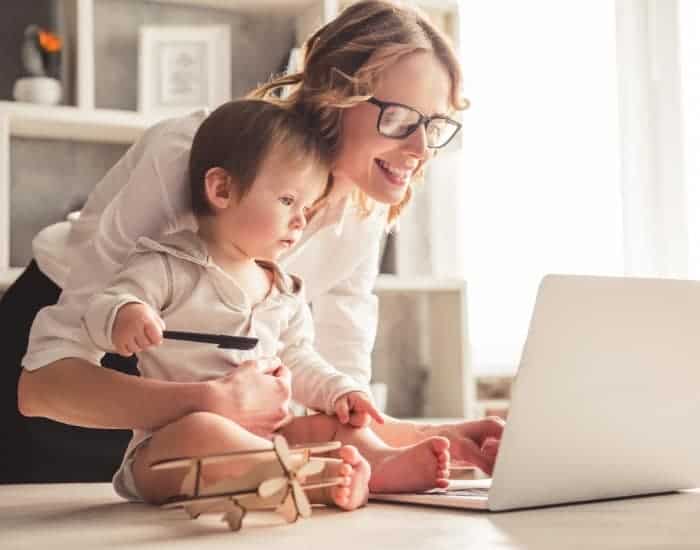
(417, 143)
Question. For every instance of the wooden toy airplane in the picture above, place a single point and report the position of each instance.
(283, 490)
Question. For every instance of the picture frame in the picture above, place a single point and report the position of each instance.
(183, 68)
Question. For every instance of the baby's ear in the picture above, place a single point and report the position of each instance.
(219, 188)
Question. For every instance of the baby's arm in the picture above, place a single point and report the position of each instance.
(315, 382)
(124, 317)
(136, 327)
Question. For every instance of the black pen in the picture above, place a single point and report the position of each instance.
(222, 340)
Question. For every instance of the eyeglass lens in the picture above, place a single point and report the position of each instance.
(398, 121)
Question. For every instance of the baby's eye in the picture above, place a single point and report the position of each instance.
(287, 201)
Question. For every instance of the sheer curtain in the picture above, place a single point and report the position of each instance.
(689, 61)
(580, 152)
(540, 191)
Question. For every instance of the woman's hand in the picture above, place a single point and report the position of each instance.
(474, 442)
(357, 409)
(257, 399)
(136, 327)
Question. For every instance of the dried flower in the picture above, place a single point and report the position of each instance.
(41, 52)
(49, 42)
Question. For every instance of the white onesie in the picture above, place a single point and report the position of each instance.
(178, 278)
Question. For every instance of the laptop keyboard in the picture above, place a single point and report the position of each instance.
(475, 492)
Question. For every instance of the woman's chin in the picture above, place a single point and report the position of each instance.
(388, 194)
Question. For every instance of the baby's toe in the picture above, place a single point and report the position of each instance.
(349, 454)
(440, 444)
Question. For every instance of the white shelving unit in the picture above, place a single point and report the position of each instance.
(73, 123)
(451, 392)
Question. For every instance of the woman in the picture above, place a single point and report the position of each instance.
(379, 82)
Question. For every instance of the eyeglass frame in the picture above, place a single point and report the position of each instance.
(422, 120)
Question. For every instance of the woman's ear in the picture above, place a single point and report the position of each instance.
(219, 188)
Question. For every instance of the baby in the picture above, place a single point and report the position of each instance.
(257, 174)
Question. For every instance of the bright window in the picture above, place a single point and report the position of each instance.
(541, 159)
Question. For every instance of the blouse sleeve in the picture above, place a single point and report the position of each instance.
(345, 319)
(142, 207)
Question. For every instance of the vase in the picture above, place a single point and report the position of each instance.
(38, 89)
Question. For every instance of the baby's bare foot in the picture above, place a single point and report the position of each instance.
(419, 467)
(356, 471)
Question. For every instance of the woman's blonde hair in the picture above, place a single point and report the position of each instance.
(343, 60)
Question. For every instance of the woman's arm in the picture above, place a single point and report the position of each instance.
(74, 391)
(77, 392)
(345, 319)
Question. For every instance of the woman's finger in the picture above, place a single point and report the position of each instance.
(477, 430)
(490, 446)
(464, 449)
(342, 410)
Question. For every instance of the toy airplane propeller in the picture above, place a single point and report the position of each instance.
(284, 492)
(295, 503)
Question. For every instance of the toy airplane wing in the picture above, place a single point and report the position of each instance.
(254, 490)
(188, 461)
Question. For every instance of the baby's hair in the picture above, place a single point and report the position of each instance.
(239, 135)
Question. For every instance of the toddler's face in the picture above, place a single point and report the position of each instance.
(270, 218)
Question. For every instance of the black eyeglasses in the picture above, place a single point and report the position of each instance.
(398, 121)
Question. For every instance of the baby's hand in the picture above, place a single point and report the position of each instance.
(136, 327)
(357, 409)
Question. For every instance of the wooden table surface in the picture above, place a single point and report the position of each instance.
(71, 516)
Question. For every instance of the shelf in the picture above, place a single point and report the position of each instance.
(7, 277)
(73, 123)
(394, 283)
(291, 7)
(385, 283)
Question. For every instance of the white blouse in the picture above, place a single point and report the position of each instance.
(147, 194)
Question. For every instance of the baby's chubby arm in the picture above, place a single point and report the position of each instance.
(124, 317)
(136, 327)
(318, 384)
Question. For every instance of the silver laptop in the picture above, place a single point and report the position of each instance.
(606, 402)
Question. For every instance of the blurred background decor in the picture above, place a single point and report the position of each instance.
(182, 69)
(41, 63)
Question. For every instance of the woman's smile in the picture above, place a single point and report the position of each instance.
(395, 176)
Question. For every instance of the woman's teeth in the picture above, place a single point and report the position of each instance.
(403, 176)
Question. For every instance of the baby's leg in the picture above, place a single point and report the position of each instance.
(196, 434)
(200, 434)
(354, 491)
(418, 467)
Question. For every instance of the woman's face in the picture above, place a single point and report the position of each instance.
(383, 167)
